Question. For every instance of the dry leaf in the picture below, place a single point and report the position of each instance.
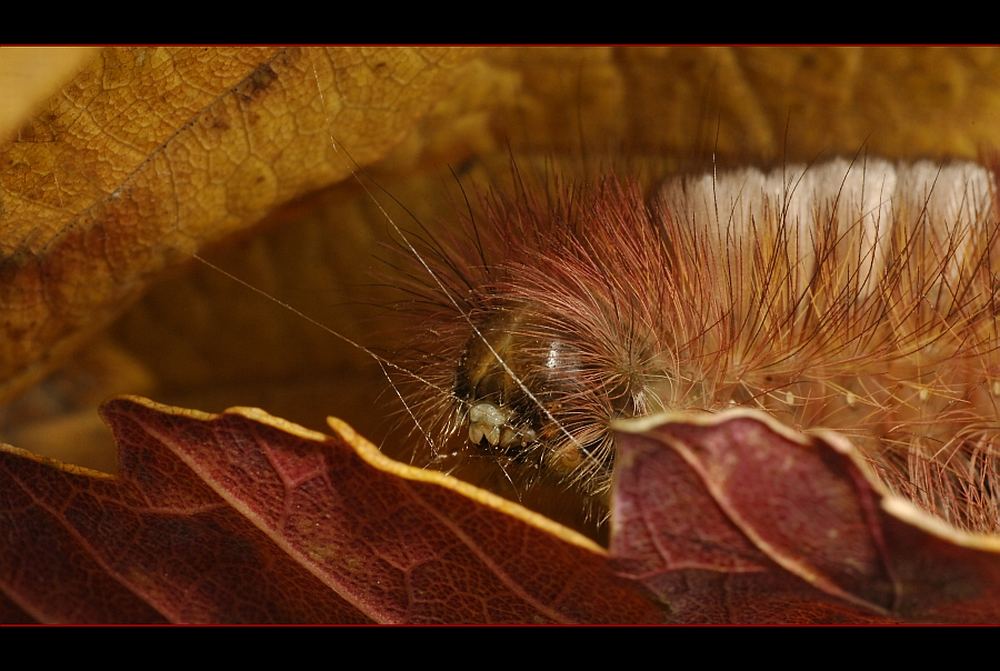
(148, 154)
(29, 75)
(735, 518)
(246, 518)
(243, 517)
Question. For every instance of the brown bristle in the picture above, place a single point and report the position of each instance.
(858, 296)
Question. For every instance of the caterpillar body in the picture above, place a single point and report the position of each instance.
(858, 295)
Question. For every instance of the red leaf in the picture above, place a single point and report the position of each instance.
(242, 517)
(735, 518)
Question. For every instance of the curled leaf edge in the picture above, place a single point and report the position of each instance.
(893, 505)
(361, 446)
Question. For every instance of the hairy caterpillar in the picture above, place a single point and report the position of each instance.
(853, 295)
(858, 296)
